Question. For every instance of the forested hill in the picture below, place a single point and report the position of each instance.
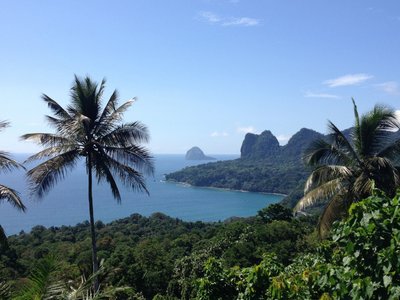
(264, 165)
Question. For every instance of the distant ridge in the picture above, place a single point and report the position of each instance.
(266, 145)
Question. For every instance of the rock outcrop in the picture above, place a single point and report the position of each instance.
(266, 145)
(196, 153)
(259, 146)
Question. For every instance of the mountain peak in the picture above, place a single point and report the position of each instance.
(259, 145)
(266, 145)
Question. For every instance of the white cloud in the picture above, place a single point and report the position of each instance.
(244, 21)
(213, 18)
(219, 134)
(390, 87)
(246, 129)
(346, 80)
(283, 139)
(320, 95)
(397, 112)
(209, 17)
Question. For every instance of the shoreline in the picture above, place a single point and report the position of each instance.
(220, 188)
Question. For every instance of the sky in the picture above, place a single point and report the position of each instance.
(205, 72)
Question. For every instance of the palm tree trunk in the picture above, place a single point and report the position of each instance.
(92, 231)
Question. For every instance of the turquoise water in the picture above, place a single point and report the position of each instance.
(66, 204)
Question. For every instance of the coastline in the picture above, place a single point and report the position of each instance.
(219, 188)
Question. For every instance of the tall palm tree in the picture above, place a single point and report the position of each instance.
(8, 164)
(86, 130)
(349, 169)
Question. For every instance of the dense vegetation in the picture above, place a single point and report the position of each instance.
(359, 261)
(271, 256)
(159, 254)
(244, 174)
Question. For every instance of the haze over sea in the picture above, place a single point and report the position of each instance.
(66, 203)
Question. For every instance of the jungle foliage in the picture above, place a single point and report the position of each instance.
(358, 261)
(269, 256)
(154, 256)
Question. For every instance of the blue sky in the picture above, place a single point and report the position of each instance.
(205, 71)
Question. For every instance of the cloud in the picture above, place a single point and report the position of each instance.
(390, 87)
(246, 129)
(213, 18)
(209, 17)
(283, 139)
(219, 134)
(397, 112)
(244, 21)
(346, 80)
(320, 95)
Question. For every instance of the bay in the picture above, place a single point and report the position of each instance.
(66, 203)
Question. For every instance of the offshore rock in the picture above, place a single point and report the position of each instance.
(196, 153)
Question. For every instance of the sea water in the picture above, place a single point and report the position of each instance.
(67, 204)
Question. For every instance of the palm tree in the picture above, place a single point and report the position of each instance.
(8, 164)
(349, 169)
(83, 129)
(43, 283)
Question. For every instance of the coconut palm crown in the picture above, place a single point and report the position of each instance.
(8, 164)
(84, 129)
(349, 169)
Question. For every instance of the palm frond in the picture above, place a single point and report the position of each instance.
(327, 173)
(50, 152)
(55, 122)
(103, 173)
(12, 197)
(5, 291)
(320, 152)
(3, 241)
(47, 139)
(109, 122)
(391, 150)
(386, 117)
(136, 156)
(385, 174)
(339, 141)
(4, 124)
(7, 163)
(320, 194)
(126, 135)
(56, 108)
(116, 115)
(363, 186)
(356, 115)
(47, 174)
(62, 126)
(129, 176)
(110, 107)
(86, 97)
(375, 130)
(40, 284)
(333, 211)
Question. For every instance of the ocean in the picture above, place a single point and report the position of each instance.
(66, 203)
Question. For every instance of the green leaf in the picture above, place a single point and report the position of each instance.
(387, 280)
